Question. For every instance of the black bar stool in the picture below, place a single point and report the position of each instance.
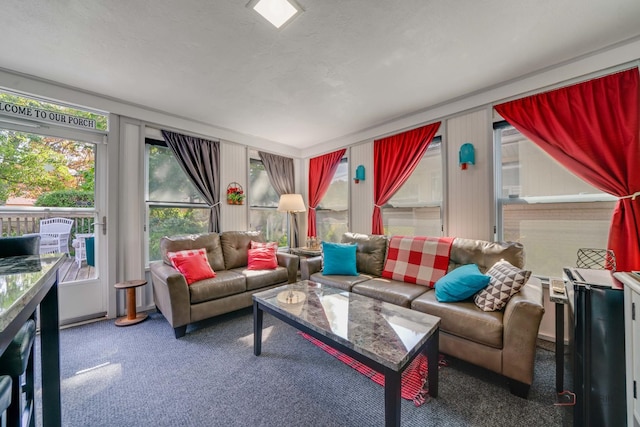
(17, 359)
(5, 395)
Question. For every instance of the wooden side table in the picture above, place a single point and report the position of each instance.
(132, 317)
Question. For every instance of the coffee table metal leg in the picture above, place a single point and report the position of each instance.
(433, 350)
(392, 403)
(257, 329)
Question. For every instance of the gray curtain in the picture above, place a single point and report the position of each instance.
(200, 160)
(281, 174)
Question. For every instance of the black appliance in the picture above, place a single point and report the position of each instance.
(598, 348)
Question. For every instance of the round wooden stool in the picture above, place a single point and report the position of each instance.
(132, 317)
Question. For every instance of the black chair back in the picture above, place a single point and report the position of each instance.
(23, 245)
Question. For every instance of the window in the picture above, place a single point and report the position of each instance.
(415, 209)
(541, 204)
(263, 204)
(332, 213)
(174, 206)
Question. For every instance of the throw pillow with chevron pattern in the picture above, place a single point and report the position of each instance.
(505, 281)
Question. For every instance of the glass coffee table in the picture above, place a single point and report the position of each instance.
(383, 336)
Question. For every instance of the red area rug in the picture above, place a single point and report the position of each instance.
(414, 384)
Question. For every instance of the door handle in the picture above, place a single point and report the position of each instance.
(103, 224)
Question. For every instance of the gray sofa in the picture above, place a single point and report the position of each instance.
(502, 341)
(230, 290)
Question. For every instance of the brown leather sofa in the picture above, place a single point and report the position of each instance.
(230, 290)
(503, 341)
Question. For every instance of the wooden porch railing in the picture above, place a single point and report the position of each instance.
(19, 221)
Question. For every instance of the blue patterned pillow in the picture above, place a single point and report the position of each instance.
(461, 283)
(339, 258)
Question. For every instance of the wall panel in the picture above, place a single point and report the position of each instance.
(233, 168)
(362, 193)
(470, 192)
(131, 217)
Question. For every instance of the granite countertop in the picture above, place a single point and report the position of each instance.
(21, 278)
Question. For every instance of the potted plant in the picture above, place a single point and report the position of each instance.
(235, 194)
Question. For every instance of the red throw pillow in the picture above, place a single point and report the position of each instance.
(194, 268)
(189, 252)
(262, 259)
(258, 245)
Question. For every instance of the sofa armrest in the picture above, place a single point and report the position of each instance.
(522, 317)
(308, 266)
(171, 293)
(290, 262)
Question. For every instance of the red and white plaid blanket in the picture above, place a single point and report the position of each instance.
(417, 259)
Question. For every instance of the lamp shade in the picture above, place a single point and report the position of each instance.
(291, 203)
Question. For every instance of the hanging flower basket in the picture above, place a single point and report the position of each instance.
(235, 194)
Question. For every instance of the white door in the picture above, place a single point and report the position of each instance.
(83, 291)
(75, 158)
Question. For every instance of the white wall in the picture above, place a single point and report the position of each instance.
(233, 168)
(131, 212)
(361, 212)
(469, 195)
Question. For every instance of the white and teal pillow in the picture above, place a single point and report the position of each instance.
(506, 281)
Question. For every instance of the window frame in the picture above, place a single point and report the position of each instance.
(253, 156)
(152, 204)
(500, 201)
(411, 208)
(347, 211)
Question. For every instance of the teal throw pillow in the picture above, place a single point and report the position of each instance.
(461, 283)
(339, 258)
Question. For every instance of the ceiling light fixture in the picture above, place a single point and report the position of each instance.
(278, 12)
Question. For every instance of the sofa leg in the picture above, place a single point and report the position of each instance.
(180, 331)
(519, 389)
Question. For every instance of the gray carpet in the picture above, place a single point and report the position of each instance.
(142, 376)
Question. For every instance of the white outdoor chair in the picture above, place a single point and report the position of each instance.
(54, 235)
(80, 245)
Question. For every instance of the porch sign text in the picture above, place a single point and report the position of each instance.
(39, 115)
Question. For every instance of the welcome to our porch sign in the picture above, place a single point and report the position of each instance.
(36, 114)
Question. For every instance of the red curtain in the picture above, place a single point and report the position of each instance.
(394, 159)
(321, 171)
(592, 128)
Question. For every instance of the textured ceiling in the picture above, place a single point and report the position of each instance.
(341, 67)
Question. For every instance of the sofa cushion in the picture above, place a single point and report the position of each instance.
(257, 279)
(463, 319)
(393, 291)
(209, 241)
(194, 267)
(339, 258)
(506, 281)
(371, 252)
(417, 259)
(224, 284)
(235, 245)
(484, 254)
(339, 281)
